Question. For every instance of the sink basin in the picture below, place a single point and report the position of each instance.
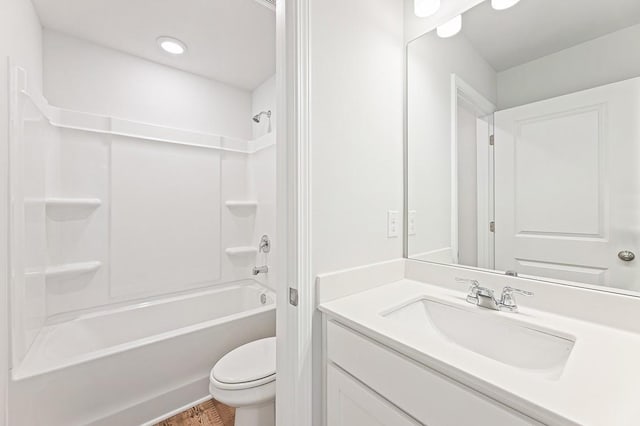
(489, 334)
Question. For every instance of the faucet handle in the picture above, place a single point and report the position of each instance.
(472, 297)
(508, 300)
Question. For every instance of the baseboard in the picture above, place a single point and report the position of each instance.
(177, 411)
(161, 407)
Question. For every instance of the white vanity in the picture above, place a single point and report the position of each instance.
(404, 351)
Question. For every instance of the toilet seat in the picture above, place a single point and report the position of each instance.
(248, 366)
(243, 385)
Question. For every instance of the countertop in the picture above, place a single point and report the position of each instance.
(599, 384)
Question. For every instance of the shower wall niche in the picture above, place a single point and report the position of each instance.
(131, 180)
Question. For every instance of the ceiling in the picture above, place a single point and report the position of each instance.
(232, 41)
(536, 28)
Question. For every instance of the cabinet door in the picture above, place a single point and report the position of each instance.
(350, 403)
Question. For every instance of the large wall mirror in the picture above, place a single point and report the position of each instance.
(523, 142)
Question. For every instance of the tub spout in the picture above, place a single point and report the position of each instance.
(260, 270)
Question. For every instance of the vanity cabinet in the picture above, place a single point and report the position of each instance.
(351, 403)
(371, 384)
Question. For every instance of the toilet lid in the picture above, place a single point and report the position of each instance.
(247, 363)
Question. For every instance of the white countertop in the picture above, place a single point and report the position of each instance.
(599, 385)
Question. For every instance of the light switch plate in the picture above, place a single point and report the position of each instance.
(412, 222)
(393, 224)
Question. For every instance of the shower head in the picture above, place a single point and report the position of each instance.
(256, 117)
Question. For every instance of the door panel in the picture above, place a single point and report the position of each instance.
(567, 185)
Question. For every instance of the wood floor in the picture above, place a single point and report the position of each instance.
(209, 413)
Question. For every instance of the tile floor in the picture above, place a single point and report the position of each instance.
(209, 413)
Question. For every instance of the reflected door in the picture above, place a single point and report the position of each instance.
(567, 181)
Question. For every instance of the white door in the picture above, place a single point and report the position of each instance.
(350, 403)
(567, 186)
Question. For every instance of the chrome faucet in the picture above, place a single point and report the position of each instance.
(484, 297)
(263, 247)
(260, 269)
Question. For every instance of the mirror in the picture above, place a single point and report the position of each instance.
(523, 142)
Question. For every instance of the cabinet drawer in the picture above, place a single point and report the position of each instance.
(426, 395)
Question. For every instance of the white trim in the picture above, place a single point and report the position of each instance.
(294, 385)
(346, 282)
(461, 90)
(485, 191)
(16, 283)
(96, 123)
(5, 243)
(454, 170)
(441, 255)
(177, 411)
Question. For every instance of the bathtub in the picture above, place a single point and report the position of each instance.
(137, 364)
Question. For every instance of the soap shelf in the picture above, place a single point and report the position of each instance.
(241, 204)
(61, 209)
(241, 251)
(71, 270)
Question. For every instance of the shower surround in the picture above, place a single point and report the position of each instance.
(120, 220)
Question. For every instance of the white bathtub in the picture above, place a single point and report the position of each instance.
(136, 364)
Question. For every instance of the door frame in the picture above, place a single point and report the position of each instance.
(461, 90)
(294, 324)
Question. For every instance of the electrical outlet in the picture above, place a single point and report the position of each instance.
(393, 224)
(412, 222)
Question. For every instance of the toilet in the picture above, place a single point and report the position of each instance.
(245, 378)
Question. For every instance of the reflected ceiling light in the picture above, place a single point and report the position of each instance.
(425, 8)
(503, 4)
(450, 28)
(172, 45)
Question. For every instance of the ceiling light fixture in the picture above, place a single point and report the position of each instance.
(450, 28)
(172, 45)
(503, 4)
(425, 8)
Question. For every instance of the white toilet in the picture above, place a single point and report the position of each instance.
(245, 378)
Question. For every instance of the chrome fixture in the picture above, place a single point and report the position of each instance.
(265, 244)
(508, 301)
(260, 269)
(263, 247)
(256, 117)
(484, 297)
(626, 255)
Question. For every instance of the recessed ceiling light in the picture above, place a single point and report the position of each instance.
(450, 28)
(503, 4)
(172, 45)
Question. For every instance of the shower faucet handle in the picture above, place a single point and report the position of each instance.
(265, 244)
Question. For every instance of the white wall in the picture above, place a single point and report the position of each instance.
(356, 130)
(431, 61)
(356, 138)
(263, 98)
(83, 76)
(262, 177)
(613, 57)
(467, 186)
(20, 39)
